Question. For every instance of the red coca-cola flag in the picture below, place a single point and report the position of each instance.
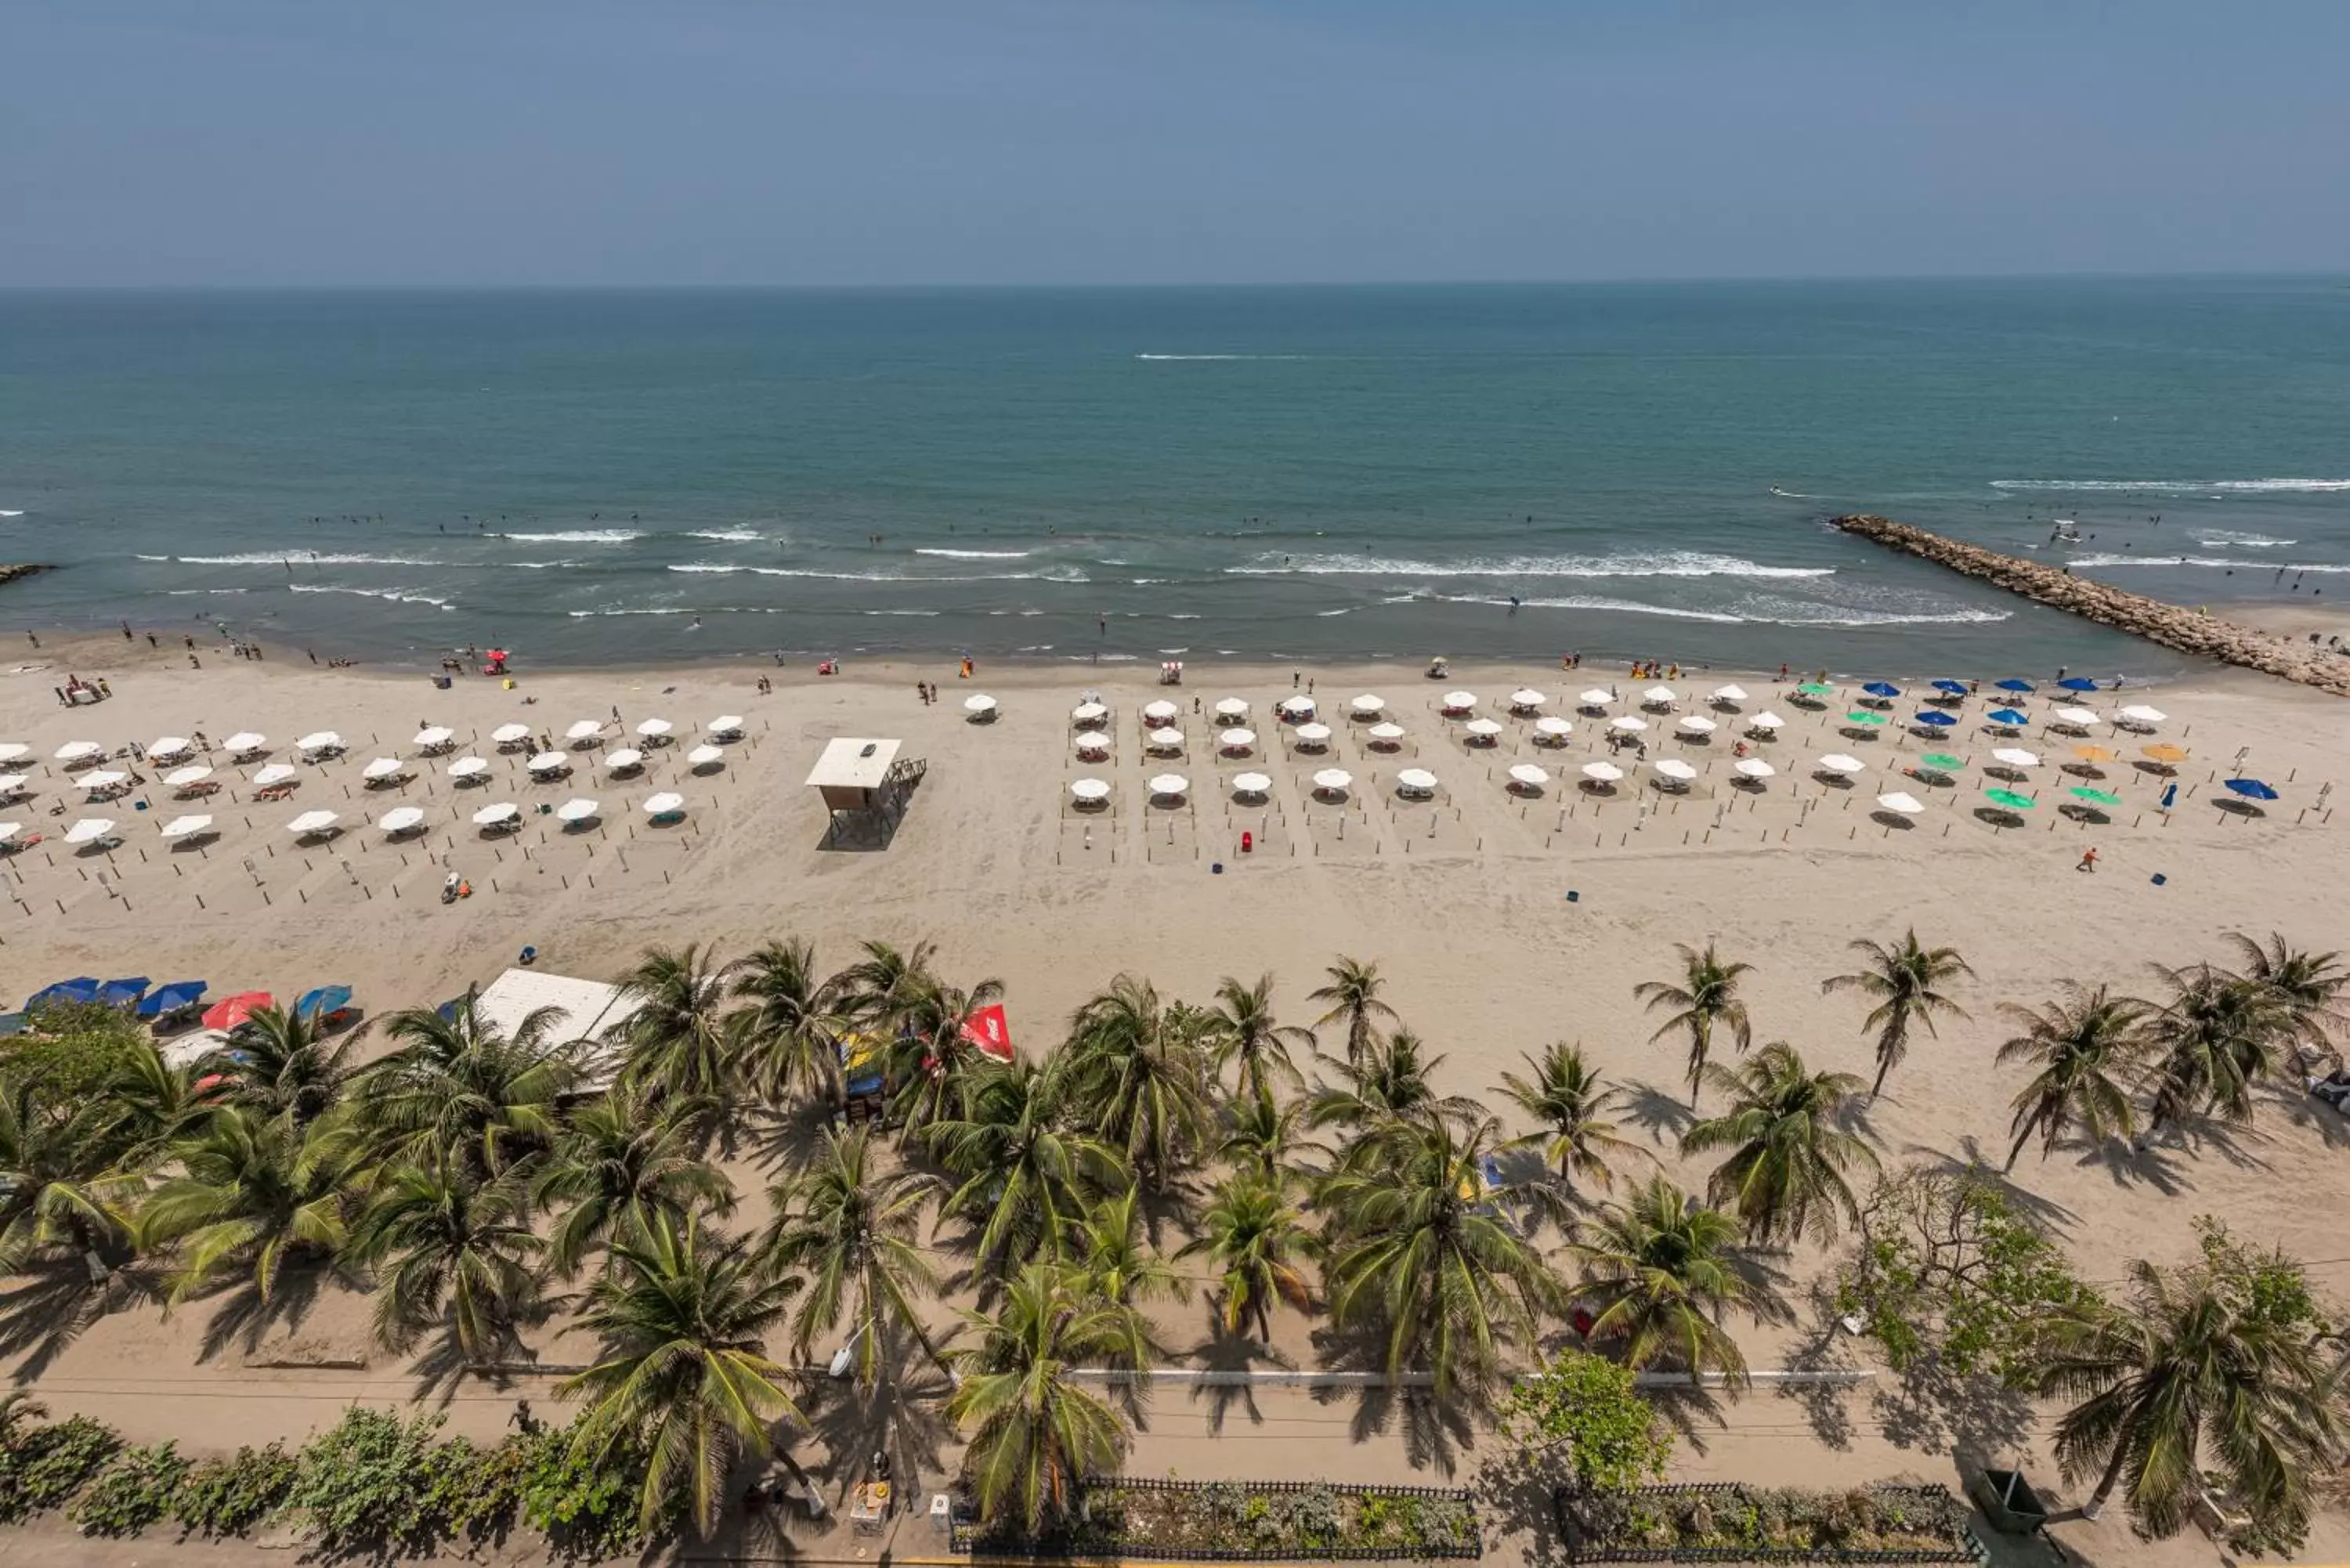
(988, 1030)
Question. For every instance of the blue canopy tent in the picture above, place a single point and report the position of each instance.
(2078, 683)
(1882, 689)
(65, 992)
(124, 992)
(171, 998)
(1934, 721)
(2250, 789)
(2013, 684)
(1954, 687)
(2008, 717)
(324, 1000)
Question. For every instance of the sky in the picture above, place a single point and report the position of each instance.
(639, 142)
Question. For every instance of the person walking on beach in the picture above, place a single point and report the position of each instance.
(2088, 859)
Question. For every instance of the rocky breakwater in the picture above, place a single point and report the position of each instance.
(2172, 625)
(10, 573)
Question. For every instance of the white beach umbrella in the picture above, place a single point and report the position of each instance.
(1900, 803)
(271, 776)
(1628, 723)
(1090, 791)
(705, 756)
(2077, 717)
(1232, 708)
(1731, 693)
(1420, 781)
(1312, 735)
(1838, 762)
(1159, 711)
(1384, 730)
(979, 702)
(11, 782)
(2140, 713)
(432, 737)
(1251, 784)
(1165, 740)
(491, 815)
(243, 743)
(1170, 783)
(725, 725)
(90, 830)
(382, 768)
(1088, 714)
(14, 752)
(1529, 776)
(510, 734)
(187, 826)
(1459, 701)
(1697, 724)
(103, 778)
(1604, 773)
(468, 768)
(1334, 781)
(310, 823)
(1753, 767)
(1485, 729)
(652, 728)
(663, 804)
(1766, 721)
(1527, 697)
(10, 831)
(580, 809)
(1296, 706)
(2017, 757)
(1555, 727)
(181, 778)
(583, 729)
(1366, 705)
(1677, 770)
(1093, 742)
(1595, 697)
(548, 763)
(1237, 740)
(319, 740)
(74, 752)
(619, 762)
(1660, 695)
(172, 748)
(400, 820)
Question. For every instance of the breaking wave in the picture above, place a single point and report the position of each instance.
(2181, 486)
(976, 555)
(396, 596)
(2202, 561)
(1664, 563)
(297, 557)
(582, 536)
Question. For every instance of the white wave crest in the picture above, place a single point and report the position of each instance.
(2227, 538)
(1595, 602)
(1664, 563)
(16, 514)
(396, 596)
(580, 537)
(1213, 356)
(2204, 561)
(977, 555)
(2181, 486)
(919, 612)
(298, 557)
(724, 536)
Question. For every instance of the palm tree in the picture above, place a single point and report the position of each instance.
(886, 989)
(448, 1243)
(1784, 1175)
(2309, 984)
(1902, 979)
(1246, 1036)
(2085, 1045)
(145, 1105)
(1111, 1253)
(252, 1189)
(1567, 1095)
(1707, 995)
(679, 1043)
(934, 1062)
(1661, 1272)
(621, 1159)
(461, 1085)
(283, 1064)
(856, 1235)
(1034, 1431)
(1139, 1077)
(1390, 1093)
(1352, 998)
(683, 1315)
(2210, 1042)
(795, 1024)
(1026, 1174)
(59, 1184)
(2190, 1372)
(1256, 1240)
(1262, 1140)
(1421, 1252)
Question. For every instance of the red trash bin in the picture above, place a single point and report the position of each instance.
(1248, 842)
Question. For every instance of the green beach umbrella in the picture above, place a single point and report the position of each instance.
(1816, 688)
(1858, 717)
(1943, 760)
(2102, 796)
(2009, 799)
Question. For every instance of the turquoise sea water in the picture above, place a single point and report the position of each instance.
(593, 478)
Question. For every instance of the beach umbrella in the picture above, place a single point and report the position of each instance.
(663, 804)
(1232, 708)
(548, 763)
(432, 737)
(187, 826)
(2013, 684)
(1863, 716)
(578, 810)
(468, 768)
(231, 1014)
(270, 774)
(1528, 774)
(1766, 722)
(583, 730)
(1387, 731)
(1165, 740)
(1556, 728)
(10, 832)
(652, 728)
(1527, 697)
(1951, 688)
(618, 762)
(1089, 790)
(244, 741)
(123, 992)
(1676, 770)
(978, 703)
(2140, 713)
(1595, 697)
(14, 752)
(1942, 760)
(319, 740)
(1658, 696)
(1815, 688)
(2078, 683)
(1088, 714)
(2009, 799)
(1170, 783)
(402, 819)
(1159, 711)
(1899, 803)
(1484, 729)
(1838, 762)
(1237, 740)
(169, 749)
(1334, 781)
(2164, 753)
(491, 815)
(1366, 705)
(103, 779)
(2094, 754)
(171, 998)
(510, 734)
(1753, 767)
(1933, 721)
(2250, 789)
(725, 726)
(323, 1000)
(1604, 773)
(2008, 718)
(1314, 734)
(1420, 781)
(1093, 741)
(1882, 689)
(74, 752)
(90, 830)
(1697, 725)
(1296, 707)
(2079, 718)
(79, 991)
(310, 823)
(11, 782)
(1733, 693)
(2017, 757)
(381, 768)
(2089, 792)
(1459, 701)
(1628, 723)
(1251, 784)
(705, 756)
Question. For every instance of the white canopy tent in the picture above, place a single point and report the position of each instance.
(1091, 791)
(1232, 708)
(1733, 693)
(1900, 803)
(1659, 696)
(726, 727)
(90, 830)
(1697, 725)
(1236, 740)
(584, 731)
(1251, 784)
(1752, 768)
(14, 752)
(579, 1010)
(668, 802)
(1311, 735)
(75, 753)
(1482, 728)
(1595, 697)
(548, 763)
(1838, 762)
(1164, 740)
(979, 705)
(1170, 785)
(1384, 731)
(1526, 698)
(2017, 757)
(1088, 714)
(1628, 723)
(1367, 706)
(1602, 773)
(654, 729)
(1160, 712)
(1458, 701)
(1766, 721)
(1673, 768)
(318, 742)
(1296, 707)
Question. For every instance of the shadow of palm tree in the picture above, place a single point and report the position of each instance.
(1663, 1113)
(54, 1302)
(241, 1320)
(1225, 1352)
(1434, 1432)
(903, 1416)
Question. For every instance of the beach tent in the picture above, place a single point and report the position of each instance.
(1334, 781)
(228, 1014)
(2079, 718)
(705, 757)
(1482, 730)
(311, 824)
(1232, 708)
(90, 830)
(1367, 706)
(435, 737)
(1458, 701)
(580, 1013)
(580, 809)
(1164, 740)
(1899, 803)
(1416, 780)
(1603, 772)
(1094, 713)
(654, 729)
(75, 752)
(1314, 734)
(1754, 768)
(100, 781)
(979, 705)
(2140, 713)
(269, 775)
(468, 768)
(511, 735)
(404, 819)
(12, 783)
(1553, 730)
(1090, 791)
(1525, 776)
(1236, 740)
(171, 998)
(1092, 742)
(1160, 712)
(1170, 785)
(622, 760)
(1251, 784)
(169, 749)
(187, 826)
(1729, 694)
(1296, 707)
(497, 816)
(244, 743)
(2250, 789)
(1697, 725)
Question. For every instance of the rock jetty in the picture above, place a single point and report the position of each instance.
(2172, 625)
(10, 573)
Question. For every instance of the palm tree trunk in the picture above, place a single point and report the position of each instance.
(2016, 1150)
(2107, 1482)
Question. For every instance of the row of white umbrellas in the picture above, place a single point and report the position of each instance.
(316, 823)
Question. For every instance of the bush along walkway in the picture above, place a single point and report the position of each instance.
(1227, 1522)
(1726, 1523)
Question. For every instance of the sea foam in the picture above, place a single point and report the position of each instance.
(1664, 563)
(2181, 486)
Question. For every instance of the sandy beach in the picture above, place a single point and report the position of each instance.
(1503, 921)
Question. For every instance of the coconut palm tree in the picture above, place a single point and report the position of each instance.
(1659, 1273)
(886, 989)
(679, 1042)
(1419, 1252)
(2193, 1371)
(2085, 1046)
(2311, 985)
(461, 1084)
(1352, 998)
(145, 1105)
(284, 1063)
(2210, 1042)
(255, 1191)
(1389, 1094)
(448, 1245)
(620, 1159)
(1034, 1431)
(1139, 1075)
(856, 1234)
(795, 1024)
(59, 1182)
(1026, 1175)
(1705, 997)
(1247, 1036)
(1264, 1140)
(683, 1316)
(1785, 1177)
(1256, 1241)
(1904, 979)
(1567, 1095)
(1109, 1249)
(933, 1061)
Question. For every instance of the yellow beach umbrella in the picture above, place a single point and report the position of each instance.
(2092, 753)
(2164, 753)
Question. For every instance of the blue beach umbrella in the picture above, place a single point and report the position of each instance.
(2013, 684)
(2008, 716)
(2250, 789)
(82, 988)
(124, 992)
(325, 999)
(171, 998)
(1955, 688)
(1939, 720)
(1882, 689)
(2078, 683)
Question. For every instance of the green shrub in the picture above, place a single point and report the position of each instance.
(230, 1496)
(356, 1485)
(47, 1465)
(582, 1499)
(132, 1492)
(73, 1049)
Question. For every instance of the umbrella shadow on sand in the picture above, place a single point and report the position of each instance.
(1999, 817)
(1893, 819)
(2244, 808)
(1833, 781)
(2091, 814)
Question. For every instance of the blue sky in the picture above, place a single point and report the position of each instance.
(991, 142)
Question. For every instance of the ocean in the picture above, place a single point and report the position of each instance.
(1134, 475)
